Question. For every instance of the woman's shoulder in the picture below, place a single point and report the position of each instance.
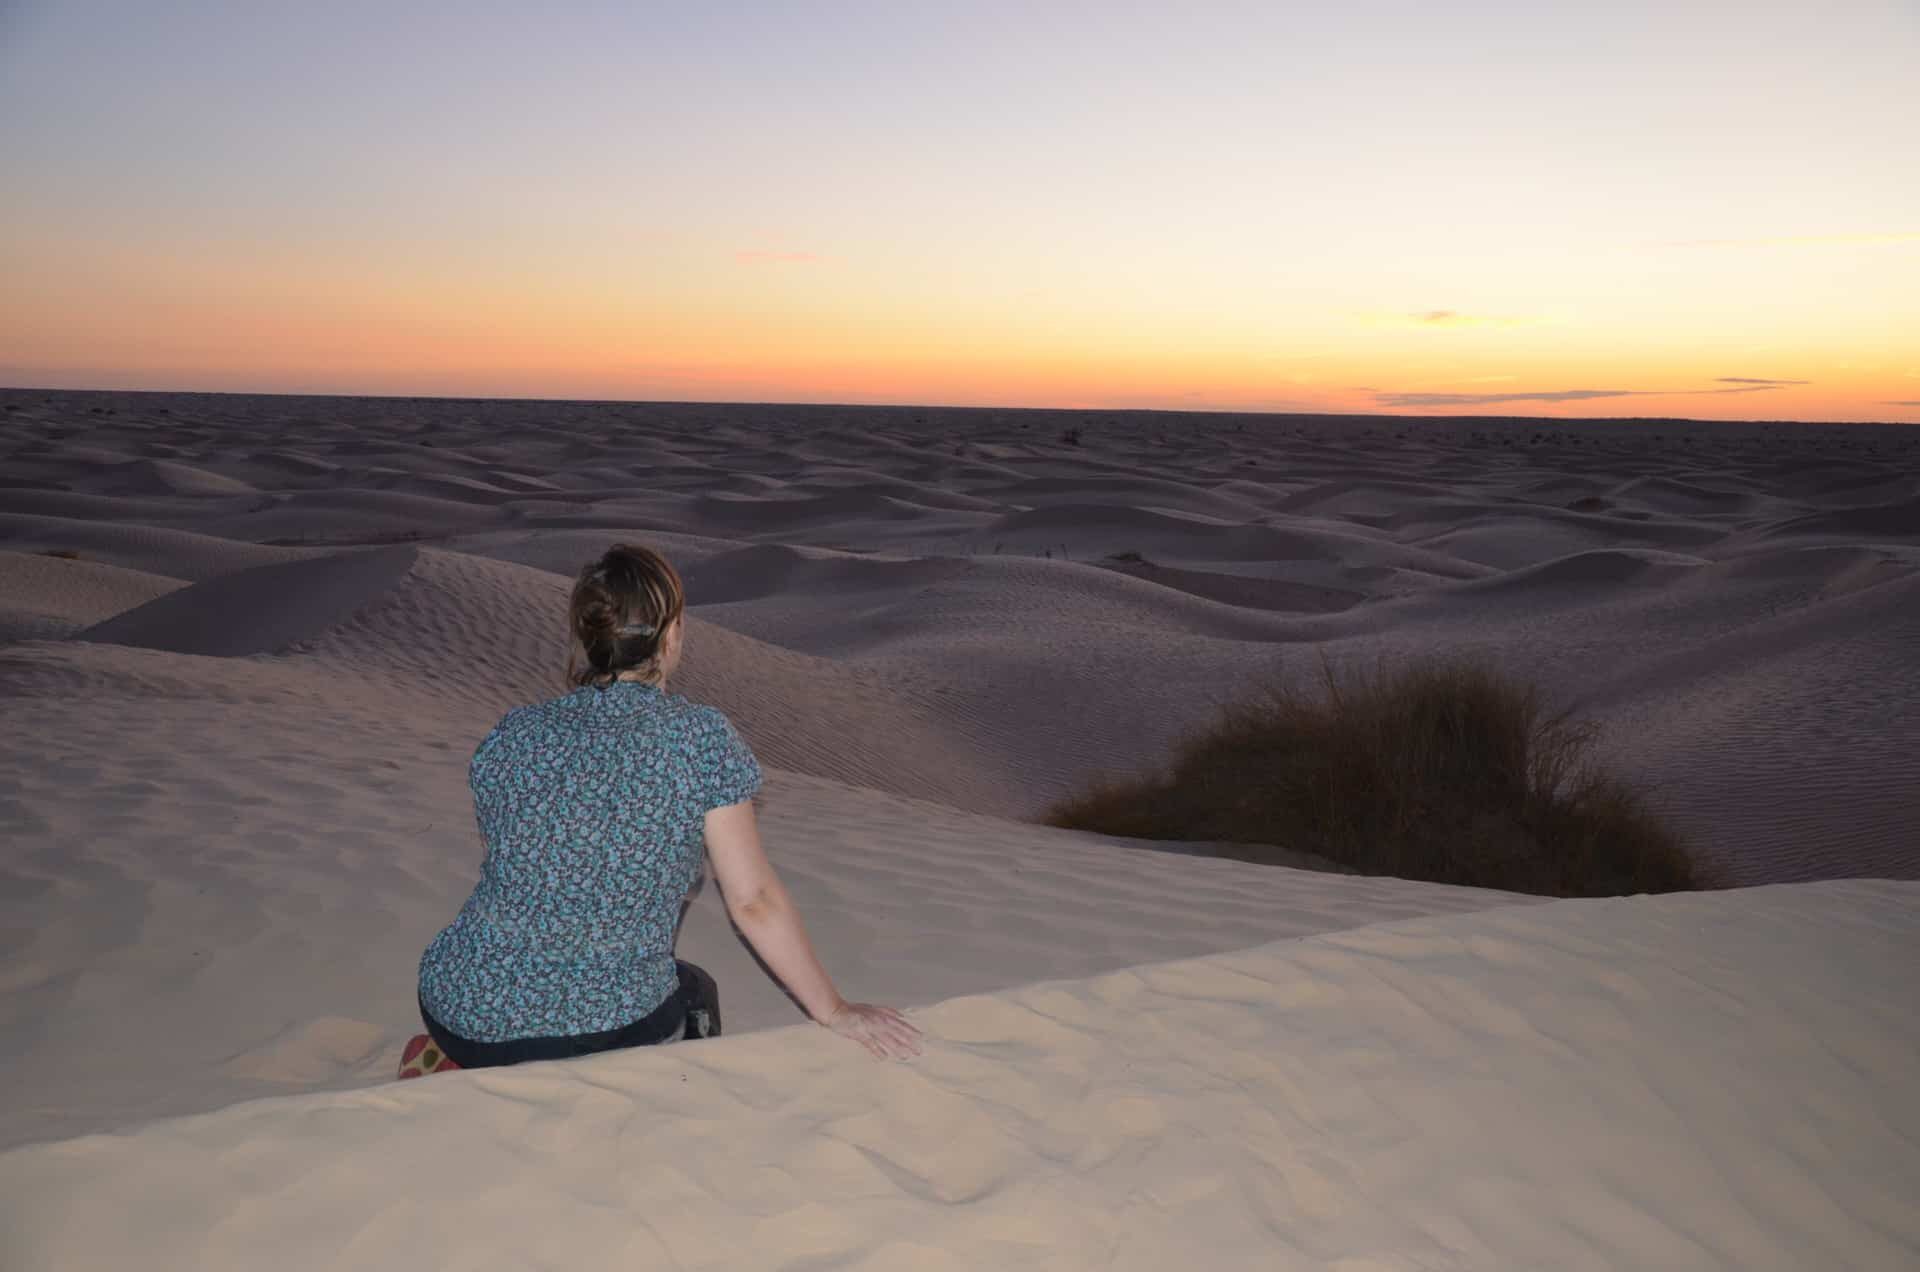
(699, 717)
(705, 725)
(532, 717)
(730, 771)
(532, 714)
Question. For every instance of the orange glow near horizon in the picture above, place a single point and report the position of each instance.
(442, 337)
(186, 320)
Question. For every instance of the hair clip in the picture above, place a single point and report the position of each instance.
(634, 629)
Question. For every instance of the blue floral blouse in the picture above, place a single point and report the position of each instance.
(591, 806)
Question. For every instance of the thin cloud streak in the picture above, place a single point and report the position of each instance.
(1447, 319)
(755, 256)
(1795, 240)
(1748, 379)
(1556, 395)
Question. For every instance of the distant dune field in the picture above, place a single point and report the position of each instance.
(247, 645)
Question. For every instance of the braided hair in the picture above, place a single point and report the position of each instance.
(622, 606)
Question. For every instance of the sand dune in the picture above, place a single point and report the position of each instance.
(260, 610)
(912, 570)
(1704, 1081)
(164, 477)
(1898, 520)
(48, 597)
(148, 506)
(756, 573)
(1579, 573)
(160, 550)
(1152, 493)
(344, 516)
(1797, 703)
(1507, 541)
(240, 700)
(1673, 495)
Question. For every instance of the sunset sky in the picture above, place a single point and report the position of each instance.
(1684, 208)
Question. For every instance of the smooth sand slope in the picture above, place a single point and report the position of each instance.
(247, 645)
(1693, 1081)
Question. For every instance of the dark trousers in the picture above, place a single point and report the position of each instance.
(692, 1010)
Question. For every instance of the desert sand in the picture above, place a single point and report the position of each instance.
(247, 644)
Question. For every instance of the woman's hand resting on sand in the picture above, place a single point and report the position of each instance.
(763, 911)
(881, 1030)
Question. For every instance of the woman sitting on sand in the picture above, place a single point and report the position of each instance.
(595, 807)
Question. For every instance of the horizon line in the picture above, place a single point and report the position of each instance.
(942, 406)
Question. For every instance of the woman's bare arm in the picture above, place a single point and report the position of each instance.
(763, 910)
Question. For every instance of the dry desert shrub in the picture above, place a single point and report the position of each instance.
(1442, 771)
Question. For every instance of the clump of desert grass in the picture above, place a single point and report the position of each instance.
(1442, 771)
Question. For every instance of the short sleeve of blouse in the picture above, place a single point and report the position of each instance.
(721, 756)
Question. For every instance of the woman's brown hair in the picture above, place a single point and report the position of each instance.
(621, 609)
